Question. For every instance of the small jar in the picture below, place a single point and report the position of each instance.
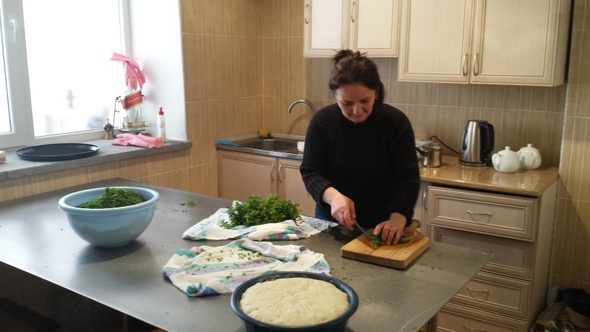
(2, 157)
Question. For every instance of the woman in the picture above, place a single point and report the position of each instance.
(360, 158)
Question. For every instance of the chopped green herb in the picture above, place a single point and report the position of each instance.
(189, 203)
(257, 210)
(112, 198)
(378, 241)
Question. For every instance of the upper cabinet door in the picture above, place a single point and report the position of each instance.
(507, 42)
(435, 40)
(374, 27)
(325, 26)
(517, 42)
(370, 26)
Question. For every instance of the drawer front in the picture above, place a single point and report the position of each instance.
(494, 293)
(513, 258)
(461, 319)
(482, 212)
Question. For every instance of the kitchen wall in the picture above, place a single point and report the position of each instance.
(571, 244)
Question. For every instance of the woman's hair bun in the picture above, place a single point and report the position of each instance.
(341, 54)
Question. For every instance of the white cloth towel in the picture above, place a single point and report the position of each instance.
(205, 270)
(210, 229)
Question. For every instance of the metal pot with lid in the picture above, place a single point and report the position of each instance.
(430, 155)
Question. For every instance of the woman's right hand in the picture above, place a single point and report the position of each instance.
(342, 207)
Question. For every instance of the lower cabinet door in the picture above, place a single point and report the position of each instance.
(463, 319)
(291, 186)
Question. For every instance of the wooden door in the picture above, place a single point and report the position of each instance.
(241, 175)
(435, 40)
(291, 186)
(325, 27)
(515, 42)
(374, 26)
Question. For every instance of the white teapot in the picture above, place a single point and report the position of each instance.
(506, 161)
(530, 158)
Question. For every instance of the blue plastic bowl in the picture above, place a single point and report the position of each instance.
(111, 227)
(336, 325)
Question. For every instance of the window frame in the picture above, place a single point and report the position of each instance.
(17, 79)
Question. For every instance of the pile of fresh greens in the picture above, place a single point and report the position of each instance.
(377, 241)
(258, 210)
(112, 198)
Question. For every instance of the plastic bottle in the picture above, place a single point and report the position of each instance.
(161, 125)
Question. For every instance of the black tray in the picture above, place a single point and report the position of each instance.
(56, 152)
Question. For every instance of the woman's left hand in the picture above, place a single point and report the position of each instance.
(391, 230)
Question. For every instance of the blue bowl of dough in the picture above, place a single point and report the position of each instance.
(337, 324)
(109, 227)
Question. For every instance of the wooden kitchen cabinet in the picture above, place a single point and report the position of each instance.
(370, 26)
(484, 42)
(509, 291)
(243, 174)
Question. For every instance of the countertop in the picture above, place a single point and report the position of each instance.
(35, 237)
(15, 167)
(531, 183)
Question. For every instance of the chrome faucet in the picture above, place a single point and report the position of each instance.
(301, 101)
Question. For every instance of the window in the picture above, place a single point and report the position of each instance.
(59, 83)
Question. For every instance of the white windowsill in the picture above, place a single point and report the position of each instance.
(15, 168)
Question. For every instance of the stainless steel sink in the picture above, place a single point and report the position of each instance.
(272, 144)
(277, 146)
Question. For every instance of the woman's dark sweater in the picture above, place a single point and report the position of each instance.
(373, 163)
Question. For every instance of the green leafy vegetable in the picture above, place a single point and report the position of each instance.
(258, 210)
(113, 197)
(378, 241)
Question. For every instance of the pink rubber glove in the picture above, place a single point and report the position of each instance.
(138, 140)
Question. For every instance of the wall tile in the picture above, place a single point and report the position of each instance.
(197, 62)
(570, 259)
(275, 57)
(274, 18)
(197, 16)
(574, 169)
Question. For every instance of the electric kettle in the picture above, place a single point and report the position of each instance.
(477, 143)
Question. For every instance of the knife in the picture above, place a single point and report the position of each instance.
(366, 238)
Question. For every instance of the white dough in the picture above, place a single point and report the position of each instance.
(294, 302)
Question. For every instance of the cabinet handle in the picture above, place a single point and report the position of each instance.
(465, 64)
(279, 172)
(424, 195)
(306, 13)
(474, 292)
(352, 12)
(471, 329)
(476, 64)
(474, 215)
(489, 214)
(272, 173)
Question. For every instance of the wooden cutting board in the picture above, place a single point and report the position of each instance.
(398, 256)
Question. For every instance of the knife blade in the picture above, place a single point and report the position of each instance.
(358, 227)
(366, 236)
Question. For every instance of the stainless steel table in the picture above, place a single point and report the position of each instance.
(35, 237)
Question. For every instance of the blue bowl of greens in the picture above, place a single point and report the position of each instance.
(110, 216)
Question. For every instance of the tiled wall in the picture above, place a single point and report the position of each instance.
(571, 245)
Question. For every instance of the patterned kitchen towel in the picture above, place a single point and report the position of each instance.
(210, 229)
(205, 270)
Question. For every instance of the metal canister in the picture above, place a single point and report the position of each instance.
(431, 156)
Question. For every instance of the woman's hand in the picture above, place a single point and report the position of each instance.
(391, 230)
(342, 207)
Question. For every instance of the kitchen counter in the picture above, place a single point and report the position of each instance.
(35, 237)
(531, 183)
